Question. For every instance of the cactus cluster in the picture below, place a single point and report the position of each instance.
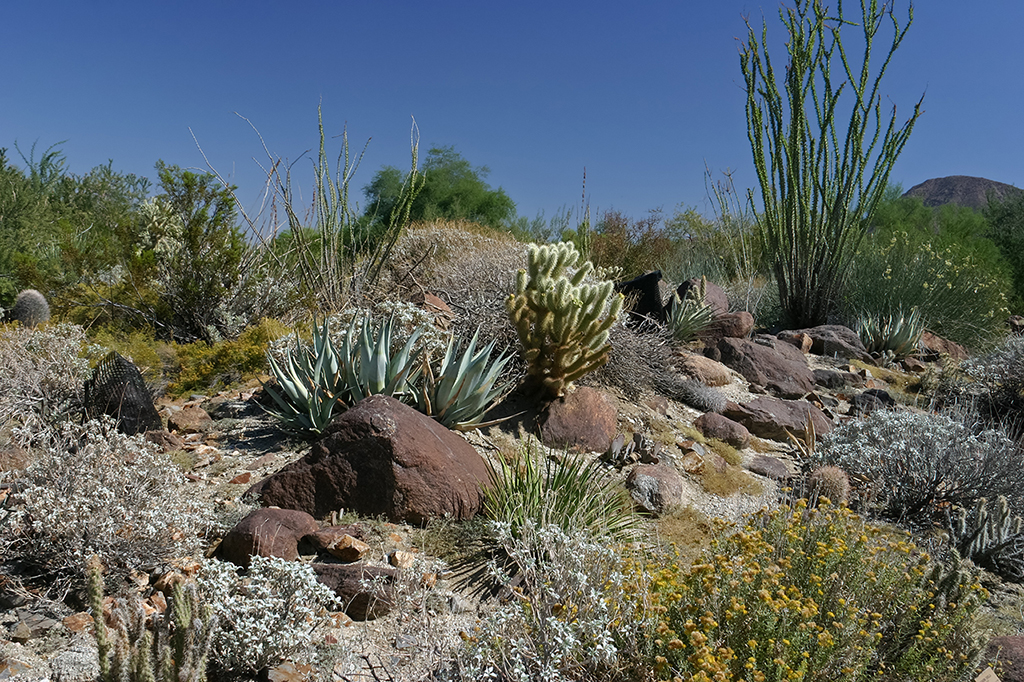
(991, 537)
(561, 319)
(30, 308)
(175, 650)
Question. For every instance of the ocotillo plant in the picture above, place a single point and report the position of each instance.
(562, 320)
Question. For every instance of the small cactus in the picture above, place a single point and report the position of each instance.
(831, 482)
(992, 537)
(562, 321)
(30, 308)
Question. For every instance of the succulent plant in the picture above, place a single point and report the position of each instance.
(992, 538)
(312, 380)
(689, 316)
(898, 333)
(831, 482)
(465, 387)
(562, 321)
(30, 308)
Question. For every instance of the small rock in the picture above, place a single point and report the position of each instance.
(241, 479)
(189, 420)
(290, 671)
(165, 440)
(714, 425)
(692, 463)
(21, 633)
(400, 559)
(78, 622)
(348, 549)
(585, 418)
(769, 467)
(655, 487)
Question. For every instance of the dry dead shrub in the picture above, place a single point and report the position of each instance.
(471, 268)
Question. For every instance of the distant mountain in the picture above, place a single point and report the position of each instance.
(963, 190)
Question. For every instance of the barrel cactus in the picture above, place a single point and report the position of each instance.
(30, 308)
(562, 320)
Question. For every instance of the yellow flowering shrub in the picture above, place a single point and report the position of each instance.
(805, 593)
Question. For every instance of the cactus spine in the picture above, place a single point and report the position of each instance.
(559, 318)
(30, 308)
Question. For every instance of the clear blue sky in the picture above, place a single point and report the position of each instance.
(641, 94)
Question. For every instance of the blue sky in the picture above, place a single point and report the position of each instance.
(642, 94)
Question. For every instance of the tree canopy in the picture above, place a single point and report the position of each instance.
(452, 190)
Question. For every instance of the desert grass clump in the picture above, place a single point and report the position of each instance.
(817, 595)
(918, 464)
(96, 491)
(575, 614)
(30, 308)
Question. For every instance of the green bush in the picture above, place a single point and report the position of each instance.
(206, 368)
(959, 297)
(816, 595)
(1006, 230)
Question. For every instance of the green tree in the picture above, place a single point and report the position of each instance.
(202, 253)
(821, 175)
(452, 190)
(1006, 230)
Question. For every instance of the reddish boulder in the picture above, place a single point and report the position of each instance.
(165, 440)
(267, 532)
(366, 592)
(382, 458)
(705, 370)
(729, 326)
(781, 364)
(585, 418)
(831, 340)
(769, 467)
(933, 347)
(772, 418)
(714, 425)
(1010, 651)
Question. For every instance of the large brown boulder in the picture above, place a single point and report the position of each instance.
(714, 425)
(382, 458)
(772, 418)
(830, 340)
(781, 365)
(933, 347)
(267, 532)
(729, 326)
(705, 370)
(655, 488)
(585, 418)
(366, 592)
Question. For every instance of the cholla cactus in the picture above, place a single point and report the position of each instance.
(559, 318)
(30, 308)
(175, 651)
(992, 538)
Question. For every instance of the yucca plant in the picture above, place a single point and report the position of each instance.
(566, 491)
(465, 387)
(689, 316)
(898, 333)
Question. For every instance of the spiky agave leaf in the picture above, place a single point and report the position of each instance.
(465, 387)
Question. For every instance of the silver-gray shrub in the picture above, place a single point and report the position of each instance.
(916, 464)
(94, 490)
(995, 384)
(265, 614)
(41, 378)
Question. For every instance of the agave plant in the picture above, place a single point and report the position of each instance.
(313, 379)
(307, 384)
(898, 333)
(465, 387)
(690, 316)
